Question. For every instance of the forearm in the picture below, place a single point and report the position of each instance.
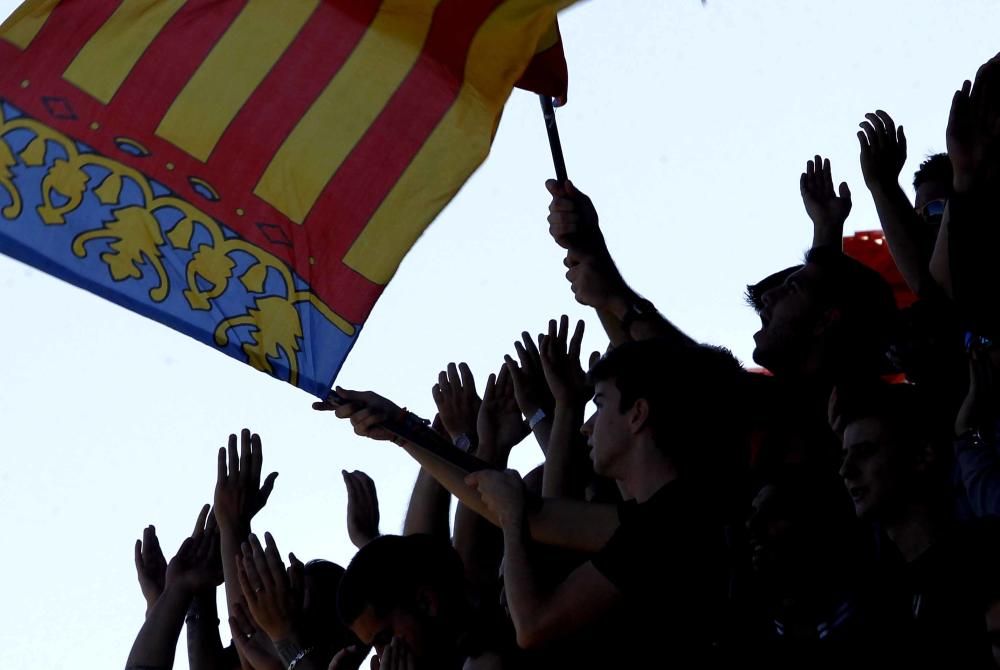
(478, 542)
(230, 540)
(292, 649)
(542, 433)
(560, 478)
(156, 643)
(430, 505)
(524, 599)
(571, 524)
(900, 223)
(204, 645)
(612, 315)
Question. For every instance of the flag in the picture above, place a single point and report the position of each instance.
(547, 73)
(250, 172)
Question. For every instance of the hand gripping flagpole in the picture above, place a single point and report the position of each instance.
(549, 112)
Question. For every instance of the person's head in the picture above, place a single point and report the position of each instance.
(831, 316)
(799, 526)
(683, 402)
(321, 579)
(891, 442)
(933, 186)
(407, 587)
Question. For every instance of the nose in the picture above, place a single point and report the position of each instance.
(847, 467)
(587, 429)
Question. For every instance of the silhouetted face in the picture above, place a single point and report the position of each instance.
(377, 631)
(876, 469)
(606, 430)
(768, 527)
(789, 321)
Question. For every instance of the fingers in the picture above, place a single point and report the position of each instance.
(245, 456)
(199, 524)
(265, 490)
(255, 577)
(138, 556)
(827, 179)
(563, 331)
(887, 123)
(251, 588)
(453, 378)
(576, 342)
(256, 461)
(555, 188)
(468, 380)
(221, 469)
(901, 141)
(594, 357)
(489, 392)
(234, 461)
(871, 135)
(844, 190)
(274, 563)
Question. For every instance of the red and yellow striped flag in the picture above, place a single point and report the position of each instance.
(252, 172)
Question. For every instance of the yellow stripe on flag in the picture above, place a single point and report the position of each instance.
(549, 39)
(337, 121)
(26, 22)
(106, 60)
(234, 69)
(458, 145)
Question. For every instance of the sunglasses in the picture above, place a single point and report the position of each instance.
(933, 211)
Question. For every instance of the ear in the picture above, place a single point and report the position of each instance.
(428, 603)
(638, 415)
(827, 320)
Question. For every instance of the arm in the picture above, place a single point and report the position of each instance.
(204, 645)
(189, 572)
(883, 154)
(530, 389)
(571, 524)
(238, 497)
(978, 428)
(500, 428)
(539, 616)
(593, 276)
(564, 470)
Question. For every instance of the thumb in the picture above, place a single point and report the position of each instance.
(845, 191)
(555, 189)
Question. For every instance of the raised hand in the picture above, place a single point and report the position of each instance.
(367, 412)
(530, 389)
(573, 221)
(825, 208)
(502, 493)
(499, 424)
(974, 124)
(561, 363)
(239, 494)
(247, 638)
(196, 567)
(267, 588)
(457, 401)
(883, 150)
(349, 658)
(396, 656)
(150, 566)
(362, 508)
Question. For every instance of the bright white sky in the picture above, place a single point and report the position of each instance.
(688, 125)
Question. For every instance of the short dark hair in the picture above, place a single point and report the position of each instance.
(695, 394)
(936, 167)
(909, 409)
(755, 292)
(389, 572)
(867, 305)
(320, 618)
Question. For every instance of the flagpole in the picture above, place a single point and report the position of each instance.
(549, 113)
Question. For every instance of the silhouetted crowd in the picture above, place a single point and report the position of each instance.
(834, 508)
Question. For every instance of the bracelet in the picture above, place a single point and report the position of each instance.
(302, 654)
(536, 418)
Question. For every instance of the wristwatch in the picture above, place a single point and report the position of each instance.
(640, 308)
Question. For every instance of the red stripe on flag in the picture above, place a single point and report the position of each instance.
(70, 26)
(390, 144)
(171, 60)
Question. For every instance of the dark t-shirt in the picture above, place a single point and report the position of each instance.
(668, 558)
